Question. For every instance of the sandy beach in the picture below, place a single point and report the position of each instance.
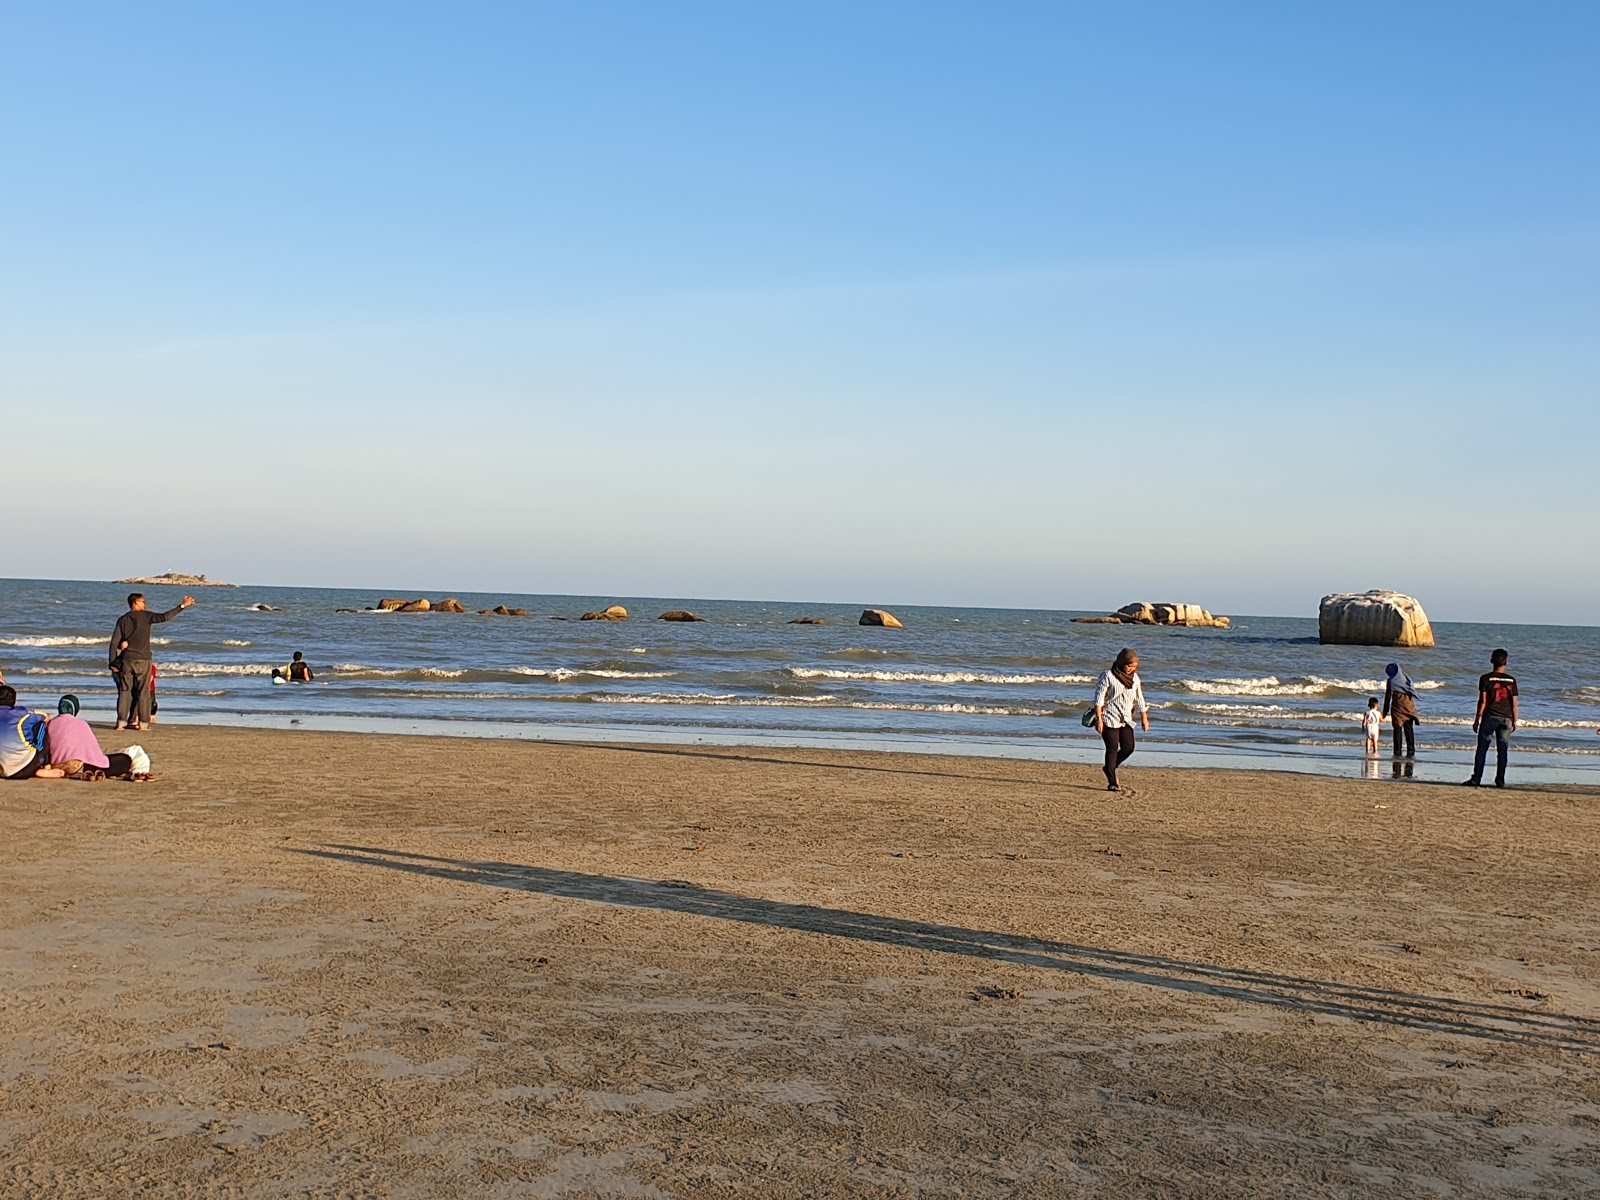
(307, 964)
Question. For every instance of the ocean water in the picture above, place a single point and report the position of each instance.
(991, 681)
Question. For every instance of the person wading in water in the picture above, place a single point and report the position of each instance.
(1400, 706)
(1118, 698)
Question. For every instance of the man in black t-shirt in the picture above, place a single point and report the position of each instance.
(1496, 718)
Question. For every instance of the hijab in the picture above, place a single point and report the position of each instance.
(1125, 668)
(1399, 681)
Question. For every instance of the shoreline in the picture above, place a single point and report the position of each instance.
(328, 963)
(1432, 767)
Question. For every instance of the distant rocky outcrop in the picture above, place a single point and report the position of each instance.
(615, 613)
(1374, 618)
(877, 616)
(807, 621)
(679, 614)
(1191, 616)
(177, 579)
(500, 610)
(400, 604)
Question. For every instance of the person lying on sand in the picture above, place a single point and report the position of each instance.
(22, 740)
(72, 746)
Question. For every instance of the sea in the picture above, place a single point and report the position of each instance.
(994, 682)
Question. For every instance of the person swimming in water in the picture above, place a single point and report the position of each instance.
(299, 671)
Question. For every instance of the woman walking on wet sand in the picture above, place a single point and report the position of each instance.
(1118, 698)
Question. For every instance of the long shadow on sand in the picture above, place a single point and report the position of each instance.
(1494, 1022)
(735, 755)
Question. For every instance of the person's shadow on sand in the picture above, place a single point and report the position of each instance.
(1466, 1018)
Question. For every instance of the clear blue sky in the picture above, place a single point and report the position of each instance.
(1058, 305)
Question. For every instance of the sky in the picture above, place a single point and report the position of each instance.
(1047, 305)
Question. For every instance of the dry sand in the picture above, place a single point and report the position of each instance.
(344, 965)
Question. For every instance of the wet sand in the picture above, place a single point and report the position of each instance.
(351, 965)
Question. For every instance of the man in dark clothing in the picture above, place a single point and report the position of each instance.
(130, 659)
(1496, 718)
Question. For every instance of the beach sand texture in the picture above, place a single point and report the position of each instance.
(345, 965)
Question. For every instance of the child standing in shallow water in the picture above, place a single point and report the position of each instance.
(1372, 724)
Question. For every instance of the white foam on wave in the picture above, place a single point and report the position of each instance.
(199, 670)
(1271, 685)
(1534, 723)
(236, 642)
(563, 674)
(733, 700)
(396, 672)
(933, 676)
(53, 641)
(69, 640)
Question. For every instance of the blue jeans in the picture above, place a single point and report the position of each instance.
(1498, 729)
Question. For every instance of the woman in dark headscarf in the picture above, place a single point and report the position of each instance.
(1118, 698)
(1400, 705)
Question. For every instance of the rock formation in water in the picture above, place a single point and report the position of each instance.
(1374, 618)
(500, 610)
(415, 606)
(807, 621)
(615, 613)
(679, 614)
(176, 579)
(1191, 616)
(451, 605)
(877, 616)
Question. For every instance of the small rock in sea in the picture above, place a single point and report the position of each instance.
(877, 616)
(500, 610)
(415, 606)
(615, 613)
(452, 605)
(807, 621)
(679, 614)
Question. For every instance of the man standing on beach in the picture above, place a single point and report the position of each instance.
(1496, 718)
(130, 659)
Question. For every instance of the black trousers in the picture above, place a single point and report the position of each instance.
(1119, 745)
(31, 768)
(1405, 728)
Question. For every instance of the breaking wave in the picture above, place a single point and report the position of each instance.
(69, 640)
(1271, 685)
(933, 676)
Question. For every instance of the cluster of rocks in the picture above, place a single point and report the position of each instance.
(1372, 618)
(1191, 616)
(449, 605)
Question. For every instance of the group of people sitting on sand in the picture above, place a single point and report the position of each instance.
(39, 745)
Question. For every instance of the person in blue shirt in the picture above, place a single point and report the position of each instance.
(22, 740)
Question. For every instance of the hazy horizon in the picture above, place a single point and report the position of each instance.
(434, 592)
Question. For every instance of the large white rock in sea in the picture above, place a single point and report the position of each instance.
(1375, 618)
